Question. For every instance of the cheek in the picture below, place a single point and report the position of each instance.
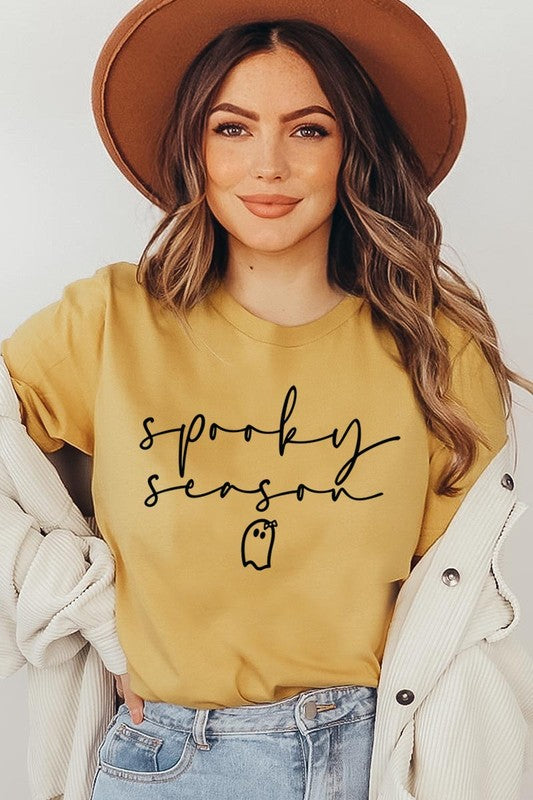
(327, 167)
(222, 166)
(320, 171)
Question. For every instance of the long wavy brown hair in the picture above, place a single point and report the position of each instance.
(385, 237)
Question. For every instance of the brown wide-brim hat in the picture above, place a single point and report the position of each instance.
(143, 59)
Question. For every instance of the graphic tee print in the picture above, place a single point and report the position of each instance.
(258, 538)
(263, 488)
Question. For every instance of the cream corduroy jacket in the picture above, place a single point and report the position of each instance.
(454, 715)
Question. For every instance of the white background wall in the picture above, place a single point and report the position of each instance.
(66, 210)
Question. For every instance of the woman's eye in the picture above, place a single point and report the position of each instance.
(316, 128)
(225, 126)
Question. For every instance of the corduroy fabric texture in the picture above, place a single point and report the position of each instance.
(56, 612)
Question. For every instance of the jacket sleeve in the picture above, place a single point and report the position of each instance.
(56, 579)
(473, 735)
(56, 594)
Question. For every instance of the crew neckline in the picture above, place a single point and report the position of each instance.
(263, 330)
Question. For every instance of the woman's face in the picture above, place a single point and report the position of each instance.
(267, 154)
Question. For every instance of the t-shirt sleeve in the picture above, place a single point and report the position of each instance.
(53, 359)
(474, 385)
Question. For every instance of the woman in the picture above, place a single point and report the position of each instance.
(286, 402)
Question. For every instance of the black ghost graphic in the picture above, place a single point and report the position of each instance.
(257, 543)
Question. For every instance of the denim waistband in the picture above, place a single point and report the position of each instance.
(305, 711)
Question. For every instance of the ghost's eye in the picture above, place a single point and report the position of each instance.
(256, 531)
(262, 534)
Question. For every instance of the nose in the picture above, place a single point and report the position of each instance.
(269, 160)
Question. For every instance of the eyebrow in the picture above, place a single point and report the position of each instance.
(300, 112)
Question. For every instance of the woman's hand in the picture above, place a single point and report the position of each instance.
(132, 700)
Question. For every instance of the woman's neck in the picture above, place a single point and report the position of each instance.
(285, 303)
(288, 288)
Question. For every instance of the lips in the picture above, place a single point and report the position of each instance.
(265, 199)
(270, 209)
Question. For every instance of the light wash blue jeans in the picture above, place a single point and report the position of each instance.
(315, 745)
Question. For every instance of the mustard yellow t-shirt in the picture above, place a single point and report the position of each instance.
(262, 488)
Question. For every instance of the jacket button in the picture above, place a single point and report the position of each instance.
(450, 577)
(405, 697)
(507, 481)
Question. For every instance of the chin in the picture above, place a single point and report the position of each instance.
(268, 243)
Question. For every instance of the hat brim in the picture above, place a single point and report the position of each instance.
(142, 61)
